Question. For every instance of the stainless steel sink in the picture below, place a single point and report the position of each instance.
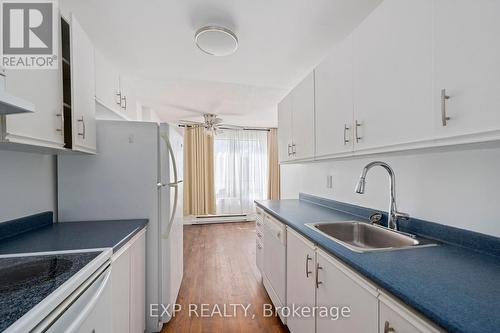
(364, 237)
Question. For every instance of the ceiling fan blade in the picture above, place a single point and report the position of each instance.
(189, 122)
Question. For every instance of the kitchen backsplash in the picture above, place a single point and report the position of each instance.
(453, 187)
(27, 184)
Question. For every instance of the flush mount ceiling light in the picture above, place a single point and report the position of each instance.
(216, 41)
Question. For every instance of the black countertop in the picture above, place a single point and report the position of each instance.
(26, 281)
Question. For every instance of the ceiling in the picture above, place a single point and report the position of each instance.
(280, 42)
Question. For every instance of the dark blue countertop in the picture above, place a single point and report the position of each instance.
(39, 234)
(456, 287)
(26, 281)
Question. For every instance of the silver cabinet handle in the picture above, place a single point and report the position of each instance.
(119, 99)
(82, 134)
(294, 151)
(388, 328)
(307, 266)
(346, 139)
(444, 117)
(289, 147)
(123, 103)
(61, 117)
(318, 282)
(357, 126)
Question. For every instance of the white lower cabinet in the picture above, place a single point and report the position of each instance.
(129, 286)
(339, 287)
(342, 300)
(300, 276)
(395, 317)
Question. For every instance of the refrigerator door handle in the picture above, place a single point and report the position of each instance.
(173, 184)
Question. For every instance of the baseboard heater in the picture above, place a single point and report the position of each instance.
(222, 215)
(222, 218)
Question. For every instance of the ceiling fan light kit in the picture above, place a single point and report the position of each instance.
(216, 40)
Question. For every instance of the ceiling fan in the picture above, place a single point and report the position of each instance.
(211, 122)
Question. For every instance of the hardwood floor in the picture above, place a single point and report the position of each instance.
(219, 269)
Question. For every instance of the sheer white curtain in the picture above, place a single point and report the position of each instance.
(240, 170)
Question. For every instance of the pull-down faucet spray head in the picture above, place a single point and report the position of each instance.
(360, 186)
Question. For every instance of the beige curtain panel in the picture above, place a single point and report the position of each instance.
(273, 183)
(199, 189)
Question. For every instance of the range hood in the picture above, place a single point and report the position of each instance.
(11, 104)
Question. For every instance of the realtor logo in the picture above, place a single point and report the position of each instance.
(29, 34)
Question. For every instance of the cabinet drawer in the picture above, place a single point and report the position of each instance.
(399, 318)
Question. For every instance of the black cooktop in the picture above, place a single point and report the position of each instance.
(26, 281)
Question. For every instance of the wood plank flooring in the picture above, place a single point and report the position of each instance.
(219, 269)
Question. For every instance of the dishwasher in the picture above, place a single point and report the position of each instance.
(275, 262)
(86, 310)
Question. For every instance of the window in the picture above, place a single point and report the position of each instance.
(240, 170)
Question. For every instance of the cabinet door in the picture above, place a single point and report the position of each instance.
(120, 286)
(333, 101)
(466, 64)
(138, 285)
(129, 99)
(83, 89)
(399, 318)
(300, 281)
(43, 88)
(339, 287)
(285, 128)
(107, 82)
(393, 75)
(303, 118)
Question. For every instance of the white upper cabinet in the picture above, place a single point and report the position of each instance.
(393, 75)
(128, 98)
(41, 87)
(285, 129)
(466, 64)
(338, 286)
(83, 89)
(334, 101)
(300, 279)
(107, 83)
(296, 122)
(303, 118)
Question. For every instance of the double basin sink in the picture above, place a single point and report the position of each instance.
(364, 237)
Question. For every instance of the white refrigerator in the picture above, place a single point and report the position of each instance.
(137, 173)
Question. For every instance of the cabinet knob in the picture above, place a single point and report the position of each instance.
(388, 328)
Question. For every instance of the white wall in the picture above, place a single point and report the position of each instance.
(457, 188)
(27, 184)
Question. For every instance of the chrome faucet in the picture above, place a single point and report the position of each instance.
(394, 215)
